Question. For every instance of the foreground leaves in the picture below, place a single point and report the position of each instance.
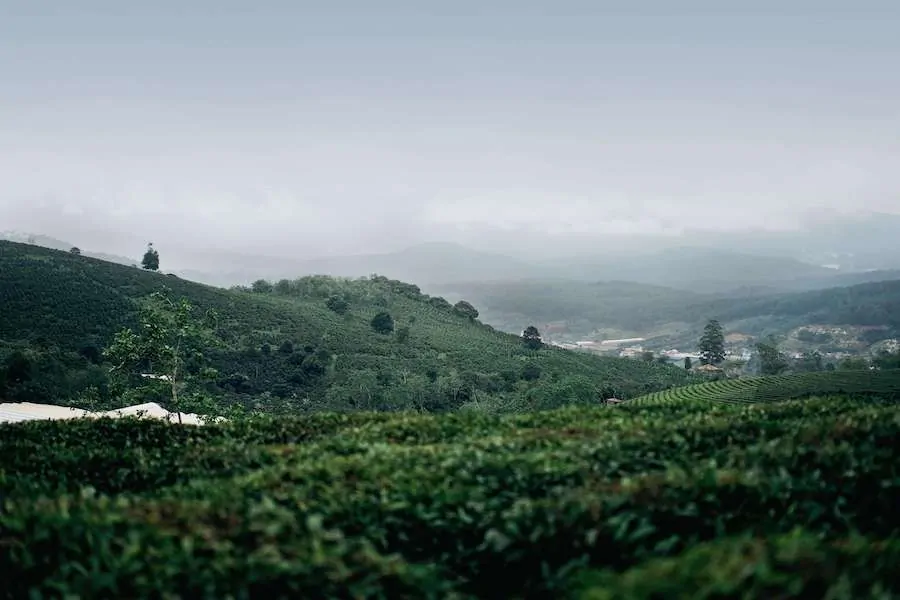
(775, 500)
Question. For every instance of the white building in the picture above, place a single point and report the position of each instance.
(16, 412)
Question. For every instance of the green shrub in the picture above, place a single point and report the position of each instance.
(662, 501)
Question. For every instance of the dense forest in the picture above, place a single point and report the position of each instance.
(314, 343)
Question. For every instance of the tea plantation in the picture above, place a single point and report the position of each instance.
(781, 387)
(669, 500)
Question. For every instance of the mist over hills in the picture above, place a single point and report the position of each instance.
(47, 241)
(833, 252)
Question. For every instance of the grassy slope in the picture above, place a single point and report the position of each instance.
(50, 299)
(685, 500)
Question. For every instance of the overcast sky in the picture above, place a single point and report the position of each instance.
(340, 126)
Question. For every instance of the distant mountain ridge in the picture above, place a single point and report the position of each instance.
(623, 309)
(56, 244)
(696, 269)
(701, 269)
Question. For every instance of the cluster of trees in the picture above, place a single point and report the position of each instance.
(770, 360)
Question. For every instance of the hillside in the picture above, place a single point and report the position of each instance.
(56, 244)
(683, 500)
(621, 307)
(282, 348)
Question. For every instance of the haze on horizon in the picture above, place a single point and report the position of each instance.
(282, 128)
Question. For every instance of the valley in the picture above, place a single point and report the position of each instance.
(365, 437)
(449, 301)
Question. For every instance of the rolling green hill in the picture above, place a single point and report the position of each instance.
(282, 348)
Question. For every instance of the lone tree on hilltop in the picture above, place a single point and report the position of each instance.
(151, 258)
(531, 337)
(75, 250)
(712, 344)
(464, 309)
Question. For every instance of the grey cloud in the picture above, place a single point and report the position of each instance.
(294, 131)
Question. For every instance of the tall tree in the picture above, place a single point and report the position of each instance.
(75, 250)
(688, 364)
(712, 344)
(169, 344)
(771, 360)
(151, 258)
(465, 309)
(531, 337)
(261, 286)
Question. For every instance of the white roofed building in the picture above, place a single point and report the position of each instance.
(15, 412)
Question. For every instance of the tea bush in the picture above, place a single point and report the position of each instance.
(684, 499)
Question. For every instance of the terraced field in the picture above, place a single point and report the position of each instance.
(780, 387)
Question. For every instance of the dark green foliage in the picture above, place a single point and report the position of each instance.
(383, 323)
(531, 372)
(337, 304)
(531, 338)
(884, 384)
(688, 363)
(809, 362)
(686, 500)
(712, 344)
(91, 352)
(771, 360)
(464, 309)
(150, 261)
(261, 286)
(799, 564)
(887, 360)
(18, 368)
